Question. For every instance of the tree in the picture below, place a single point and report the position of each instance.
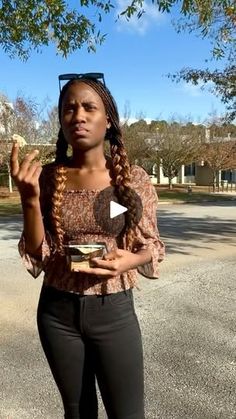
(6, 116)
(157, 125)
(224, 84)
(220, 132)
(49, 128)
(21, 117)
(5, 148)
(212, 19)
(140, 125)
(172, 149)
(137, 148)
(18, 118)
(26, 113)
(40, 22)
(219, 155)
(215, 19)
(6, 124)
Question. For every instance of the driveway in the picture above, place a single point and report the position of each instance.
(187, 318)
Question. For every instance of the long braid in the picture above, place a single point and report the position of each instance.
(126, 198)
(59, 182)
(59, 186)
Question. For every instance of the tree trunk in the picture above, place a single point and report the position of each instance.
(9, 178)
(214, 180)
(170, 183)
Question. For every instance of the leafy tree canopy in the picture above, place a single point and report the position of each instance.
(223, 84)
(212, 19)
(40, 22)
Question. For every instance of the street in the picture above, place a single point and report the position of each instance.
(187, 317)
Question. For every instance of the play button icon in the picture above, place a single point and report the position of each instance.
(116, 209)
(111, 215)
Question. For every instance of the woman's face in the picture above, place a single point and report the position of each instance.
(83, 117)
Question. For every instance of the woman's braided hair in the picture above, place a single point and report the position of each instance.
(120, 166)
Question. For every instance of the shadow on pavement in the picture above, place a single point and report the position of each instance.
(11, 227)
(193, 232)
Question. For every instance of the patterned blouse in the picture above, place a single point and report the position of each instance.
(79, 223)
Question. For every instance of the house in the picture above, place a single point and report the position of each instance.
(198, 172)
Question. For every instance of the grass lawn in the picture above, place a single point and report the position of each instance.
(165, 195)
(9, 203)
(9, 208)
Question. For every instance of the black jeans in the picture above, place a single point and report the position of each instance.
(88, 336)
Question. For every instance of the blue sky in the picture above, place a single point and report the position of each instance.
(135, 59)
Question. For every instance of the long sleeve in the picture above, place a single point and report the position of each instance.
(35, 265)
(146, 232)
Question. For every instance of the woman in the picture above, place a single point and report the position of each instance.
(86, 318)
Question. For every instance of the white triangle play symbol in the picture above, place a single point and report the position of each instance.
(116, 209)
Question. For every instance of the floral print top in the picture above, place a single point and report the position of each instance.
(79, 223)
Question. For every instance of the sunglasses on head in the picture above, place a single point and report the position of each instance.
(78, 76)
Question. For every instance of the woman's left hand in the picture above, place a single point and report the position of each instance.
(113, 264)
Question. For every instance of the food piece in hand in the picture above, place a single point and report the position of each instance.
(19, 140)
(79, 255)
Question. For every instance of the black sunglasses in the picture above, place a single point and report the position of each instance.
(75, 76)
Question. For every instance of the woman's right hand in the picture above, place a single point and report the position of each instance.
(26, 175)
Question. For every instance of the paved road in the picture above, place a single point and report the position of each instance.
(187, 318)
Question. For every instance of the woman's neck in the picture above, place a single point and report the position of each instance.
(88, 161)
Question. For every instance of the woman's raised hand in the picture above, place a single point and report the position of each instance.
(26, 175)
